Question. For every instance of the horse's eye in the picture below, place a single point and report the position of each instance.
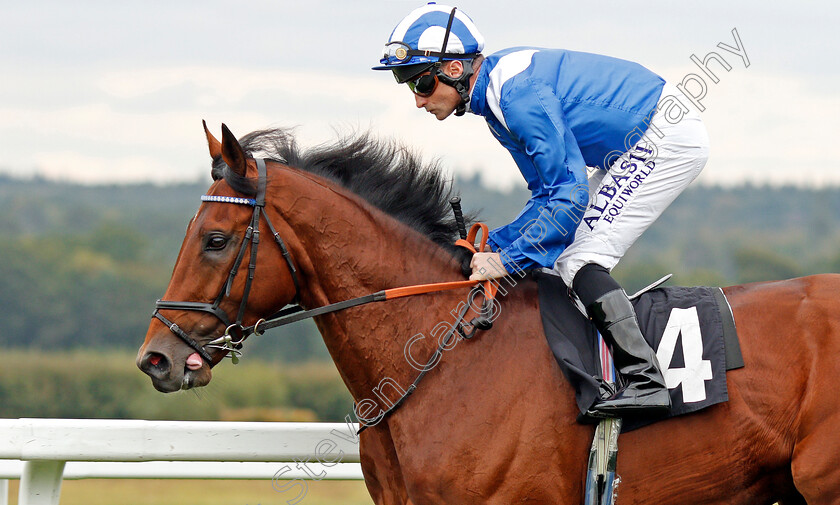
(215, 243)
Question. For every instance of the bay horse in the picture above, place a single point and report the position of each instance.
(494, 420)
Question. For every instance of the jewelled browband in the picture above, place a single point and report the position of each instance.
(228, 199)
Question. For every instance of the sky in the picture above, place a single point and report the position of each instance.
(99, 91)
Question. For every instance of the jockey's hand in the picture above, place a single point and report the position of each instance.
(487, 266)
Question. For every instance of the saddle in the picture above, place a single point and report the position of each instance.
(691, 329)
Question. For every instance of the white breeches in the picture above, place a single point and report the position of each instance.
(626, 199)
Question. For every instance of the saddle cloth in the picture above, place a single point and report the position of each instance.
(691, 329)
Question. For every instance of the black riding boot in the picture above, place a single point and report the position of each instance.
(643, 389)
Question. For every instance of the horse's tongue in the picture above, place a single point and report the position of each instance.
(194, 361)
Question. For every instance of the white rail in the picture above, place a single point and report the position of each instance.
(43, 452)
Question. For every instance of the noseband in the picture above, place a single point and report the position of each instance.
(252, 236)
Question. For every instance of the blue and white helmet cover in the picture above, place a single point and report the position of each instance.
(423, 29)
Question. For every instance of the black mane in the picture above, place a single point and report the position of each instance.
(387, 175)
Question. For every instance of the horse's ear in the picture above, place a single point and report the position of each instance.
(214, 145)
(232, 152)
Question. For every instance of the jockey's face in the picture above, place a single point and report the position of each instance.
(444, 99)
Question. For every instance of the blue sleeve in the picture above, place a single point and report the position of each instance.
(548, 155)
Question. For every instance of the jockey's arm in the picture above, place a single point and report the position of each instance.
(548, 155)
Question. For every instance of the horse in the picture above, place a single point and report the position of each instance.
(494, 420)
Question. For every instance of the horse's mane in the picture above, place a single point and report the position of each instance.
(386, 174)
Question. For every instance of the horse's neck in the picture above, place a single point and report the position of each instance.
(353, 250)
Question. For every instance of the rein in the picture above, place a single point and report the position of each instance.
(293, 312)
(296, 313)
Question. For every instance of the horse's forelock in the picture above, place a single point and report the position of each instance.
(244, 185)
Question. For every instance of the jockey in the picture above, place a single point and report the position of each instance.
(559, 112)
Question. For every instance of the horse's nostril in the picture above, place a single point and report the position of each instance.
(156, 365)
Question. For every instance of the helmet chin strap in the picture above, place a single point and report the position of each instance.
(461, 85)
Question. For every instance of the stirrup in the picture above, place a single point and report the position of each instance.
(601, 477)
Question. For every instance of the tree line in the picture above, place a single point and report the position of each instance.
(82, 265)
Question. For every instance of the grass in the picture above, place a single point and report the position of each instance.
(201, 492)
(98, 384)
(87, 384)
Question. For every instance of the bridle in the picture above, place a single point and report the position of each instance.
(294, 312)
(252, 237)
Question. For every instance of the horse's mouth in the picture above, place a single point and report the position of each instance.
(168, 377)
(187, 383)
(189, 379)
(195, 378)
(166, 386)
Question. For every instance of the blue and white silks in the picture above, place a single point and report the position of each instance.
(558, 111)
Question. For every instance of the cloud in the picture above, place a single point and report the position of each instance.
(124, 125)
(78, 167)
(768, 128)
(95, 86)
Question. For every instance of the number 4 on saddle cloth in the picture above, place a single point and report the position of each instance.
(691, 329)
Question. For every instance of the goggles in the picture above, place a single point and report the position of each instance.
(423, 85)
(406, 73)
(400, 52)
